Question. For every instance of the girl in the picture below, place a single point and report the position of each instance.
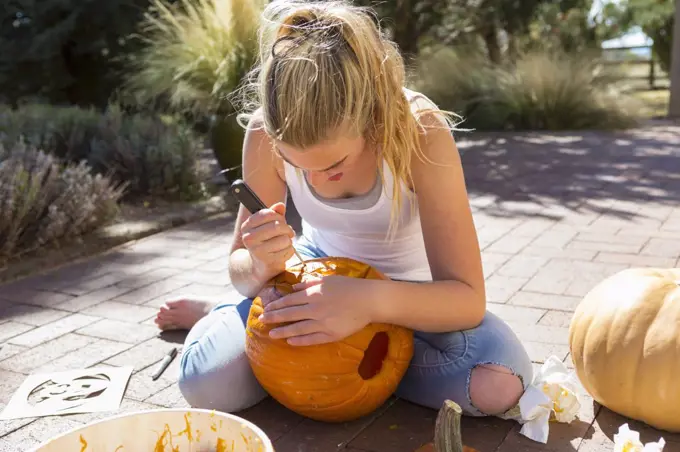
(375, 174)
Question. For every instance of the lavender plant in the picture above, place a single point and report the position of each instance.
(45, 201)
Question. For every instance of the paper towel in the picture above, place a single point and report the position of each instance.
(554, 394)
(627, 440)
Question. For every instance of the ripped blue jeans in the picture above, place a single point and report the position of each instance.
(215, 373)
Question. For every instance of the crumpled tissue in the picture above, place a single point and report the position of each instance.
(627, 440)
(554, 395)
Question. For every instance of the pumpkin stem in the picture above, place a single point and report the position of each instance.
(447, 436)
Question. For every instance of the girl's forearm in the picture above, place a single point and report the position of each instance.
(439, 306)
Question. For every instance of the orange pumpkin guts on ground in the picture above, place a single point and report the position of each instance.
(625, 343)
(332, 382)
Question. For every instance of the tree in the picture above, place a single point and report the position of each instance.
(64, 51)
(674, 103)
(409, 21)
(412, 22)
(654, 17)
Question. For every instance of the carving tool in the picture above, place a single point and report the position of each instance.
(165, 363)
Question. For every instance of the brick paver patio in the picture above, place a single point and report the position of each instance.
(555, 213)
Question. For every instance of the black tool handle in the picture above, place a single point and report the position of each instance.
(246, 196)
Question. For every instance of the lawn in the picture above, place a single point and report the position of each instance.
(655, 102)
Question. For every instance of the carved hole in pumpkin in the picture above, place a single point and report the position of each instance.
(375, 354)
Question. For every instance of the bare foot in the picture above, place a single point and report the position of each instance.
(182, 314)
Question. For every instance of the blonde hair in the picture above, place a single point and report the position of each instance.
(325, 67)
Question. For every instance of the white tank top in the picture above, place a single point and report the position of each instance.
(357, 227)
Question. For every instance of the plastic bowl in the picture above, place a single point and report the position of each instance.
(163, 430)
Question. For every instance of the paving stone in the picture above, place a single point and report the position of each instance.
(500, 289)
(88, 284)
(554, 238)
(408, 427)
(214, 251)
(9, 382)
(217, 265)
(622, 238)
(544, 301)
(491, 262)
(509, 244)
(662, 248)
(148, 277)
(93, 298)
(9, 350)
(30, 315)
(607, 424)
(146, 293)
(11, 329)
(142, 386)
(540, 333)
(53, 330)
(404, 427)
(539, 352)
(555, 252)
(11, 425)
(31, 359)
(143, 355)
(120, 311)
(88, 356)
(218, 278)
(313, 436)
(522, 266)
(671, 225)
(196, 291)
(613, 224)
(126, 406)
(272, 417)
(557, 318)
(170, 397)
(36, 432)
(34, 297)
(533, 228)
(658, 234)
(570, 277)
(488, 235)
(120, 331)
(635, 260)
(604, 246)
(179, 263)
(516, 313)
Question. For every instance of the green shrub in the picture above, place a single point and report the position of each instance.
(151, 155)
(540, 90)
(44, 201)
(193, 54)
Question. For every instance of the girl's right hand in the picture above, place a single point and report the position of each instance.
(269, 239)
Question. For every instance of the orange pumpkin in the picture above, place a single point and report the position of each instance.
(332, 382)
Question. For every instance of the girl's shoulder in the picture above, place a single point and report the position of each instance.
(417, 99)
(258, 145)
(425, 110)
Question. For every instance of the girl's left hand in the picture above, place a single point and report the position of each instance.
(323, 310)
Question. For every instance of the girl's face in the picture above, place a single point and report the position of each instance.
(328, 161)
